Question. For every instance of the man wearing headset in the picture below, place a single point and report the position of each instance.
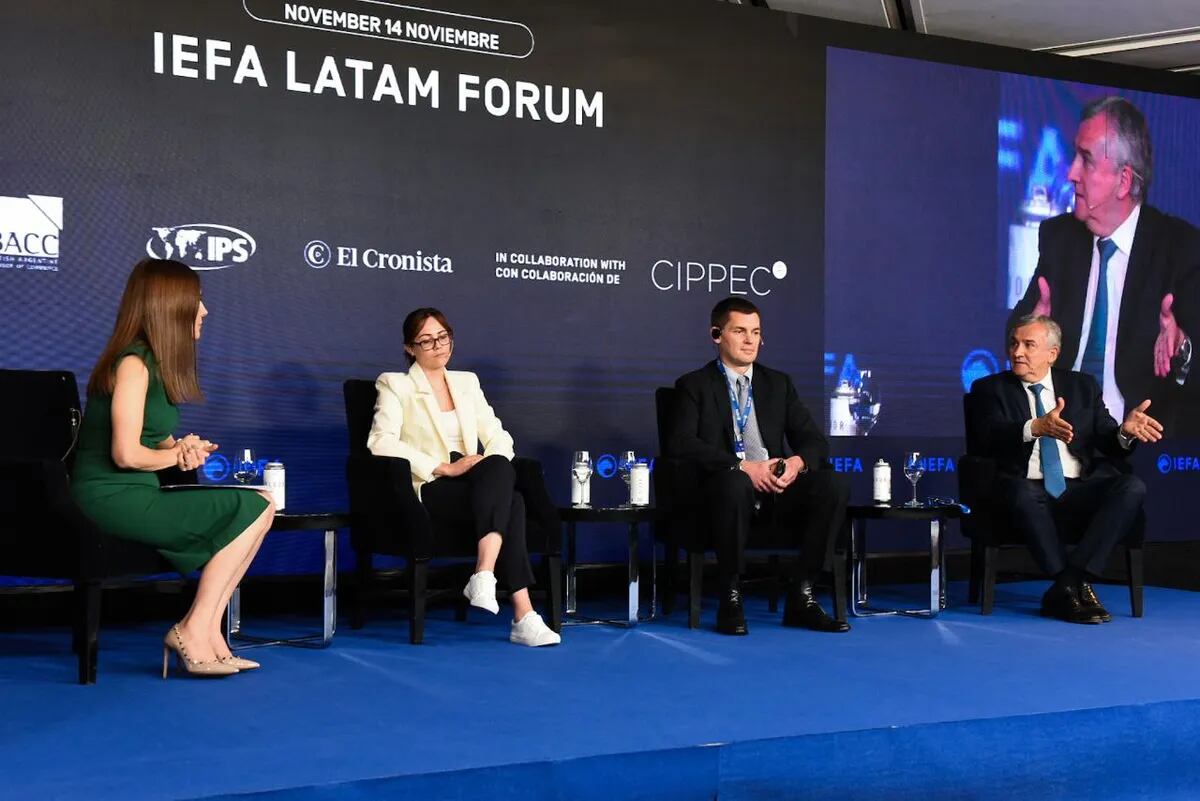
(1121, 277)
(759, 452)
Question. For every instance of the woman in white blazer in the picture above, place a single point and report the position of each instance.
(437, 419)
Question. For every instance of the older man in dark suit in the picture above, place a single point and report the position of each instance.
(1121, 277)
(1053, 440)
(760, 452)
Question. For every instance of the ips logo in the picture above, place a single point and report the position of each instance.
(201, 246)
(1177, 464)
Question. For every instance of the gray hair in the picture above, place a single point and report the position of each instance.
(1053, 330)
(1129, 133)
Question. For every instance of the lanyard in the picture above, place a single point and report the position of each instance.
(740, 416)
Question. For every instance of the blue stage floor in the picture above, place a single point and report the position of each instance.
(1010, 706)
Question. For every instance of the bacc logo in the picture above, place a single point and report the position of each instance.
(683, 275)
(1177, 464)
(319, 254)
(30, 232)
(201, 246)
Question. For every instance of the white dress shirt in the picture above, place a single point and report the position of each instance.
(1118, 265)
(1070, 465)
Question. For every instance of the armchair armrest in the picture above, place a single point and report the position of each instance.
(977, 489)
(544, 526)
(43, 531)
(387, 514)
(677, 485)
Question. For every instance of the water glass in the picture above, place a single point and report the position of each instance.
(914, 468)
(245, 468)
(628, 460)
(581, 473)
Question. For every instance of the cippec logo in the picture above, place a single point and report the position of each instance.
(681, 275)
(319, 254)
(201, 246)
(1177, 464)
(30, 232)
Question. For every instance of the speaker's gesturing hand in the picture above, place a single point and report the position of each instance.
(1042, 307)
(1170, 337)
(1142, 426)
(1051, 424)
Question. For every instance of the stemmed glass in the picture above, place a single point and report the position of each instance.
(581, 471)
(625, 466)
(864, 408)
(245, 468)
(914, 468)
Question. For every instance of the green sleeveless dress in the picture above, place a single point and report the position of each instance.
(186, 527)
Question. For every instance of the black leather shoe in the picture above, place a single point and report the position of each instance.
(803, 611)
(731, 619)
(1064, 603)
(1087, 596)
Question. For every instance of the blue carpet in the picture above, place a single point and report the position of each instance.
(1011, 706)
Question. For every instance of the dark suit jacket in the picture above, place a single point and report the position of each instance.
(1000, 407)
(1165, 258)
(702, 429)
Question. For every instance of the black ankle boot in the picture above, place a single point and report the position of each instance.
(731, 619)
(803, 611)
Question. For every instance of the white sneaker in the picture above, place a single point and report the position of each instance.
(481, 591)
(532, 630)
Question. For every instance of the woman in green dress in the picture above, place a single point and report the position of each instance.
(145, 370)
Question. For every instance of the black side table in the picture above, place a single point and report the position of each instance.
(633, 516)
(329, 522)
(937, 515)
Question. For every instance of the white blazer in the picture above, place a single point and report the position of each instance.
(407, 422)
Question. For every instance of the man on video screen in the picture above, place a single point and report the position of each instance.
(1121, 277)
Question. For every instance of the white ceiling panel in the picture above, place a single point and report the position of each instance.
(1053, 23)
(868, 12)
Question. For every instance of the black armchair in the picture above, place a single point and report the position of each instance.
(43, 534)
(685, 527)
(388, 518)
(988, 527)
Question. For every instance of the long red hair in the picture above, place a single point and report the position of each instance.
(159, 307)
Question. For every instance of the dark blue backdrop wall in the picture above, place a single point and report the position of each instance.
(574, 183)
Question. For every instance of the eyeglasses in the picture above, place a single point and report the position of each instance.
(429, 343)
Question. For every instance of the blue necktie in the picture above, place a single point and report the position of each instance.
(1093, 353)
(1052, 474)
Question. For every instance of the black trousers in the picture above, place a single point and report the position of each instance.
(1103, 505)
(479, 502)
(809, 514)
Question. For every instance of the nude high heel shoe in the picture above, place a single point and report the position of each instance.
(239, 663)
(173, 641)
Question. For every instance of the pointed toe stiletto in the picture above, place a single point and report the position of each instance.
(173, 641)
(239, 663)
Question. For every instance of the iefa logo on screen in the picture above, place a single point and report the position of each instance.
(1177, 464)
(201, 246)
